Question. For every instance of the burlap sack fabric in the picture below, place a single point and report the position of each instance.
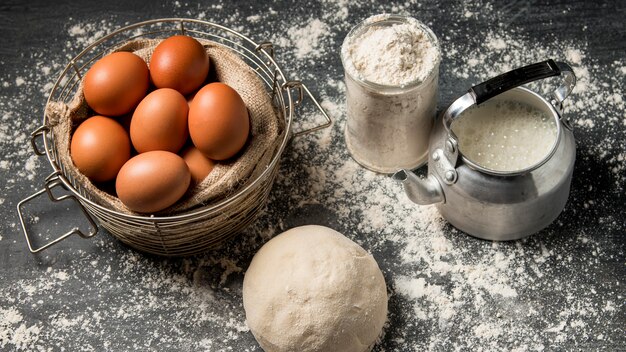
(227, 177)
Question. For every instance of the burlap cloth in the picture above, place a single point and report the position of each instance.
(227, 177)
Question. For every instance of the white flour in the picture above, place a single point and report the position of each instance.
(393, 55)
(388, 127)
(306, 39)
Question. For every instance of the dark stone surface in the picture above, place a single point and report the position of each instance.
(98, 294)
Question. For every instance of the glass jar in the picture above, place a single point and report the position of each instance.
(388, 125)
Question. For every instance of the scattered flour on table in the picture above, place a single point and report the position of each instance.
(253, 18)
(305, 40)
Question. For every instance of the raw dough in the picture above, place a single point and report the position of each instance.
(312, 289)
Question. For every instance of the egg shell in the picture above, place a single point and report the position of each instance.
(179, 62)
(152, 181)
(199, 165)
(115, 84)
(218, 121)
(99, 147)
(160, 122)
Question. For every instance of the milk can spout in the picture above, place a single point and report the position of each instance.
(422, 191)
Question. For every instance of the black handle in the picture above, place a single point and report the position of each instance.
(515, 78)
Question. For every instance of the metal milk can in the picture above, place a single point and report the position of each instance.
(490, 204)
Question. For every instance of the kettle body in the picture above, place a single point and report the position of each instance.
(498, 207)
(489, 204)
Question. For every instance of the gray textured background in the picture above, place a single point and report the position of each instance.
(100, 295)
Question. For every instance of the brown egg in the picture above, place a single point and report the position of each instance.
(115, 84)
(199, 165)
(99, 148)
(160, 122)
(218, 121)
(152, 181)
(179, 62)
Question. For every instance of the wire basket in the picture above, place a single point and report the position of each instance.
(187, 233)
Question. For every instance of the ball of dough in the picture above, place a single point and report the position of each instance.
(312, 289)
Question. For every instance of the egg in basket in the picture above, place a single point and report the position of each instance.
(171, 138)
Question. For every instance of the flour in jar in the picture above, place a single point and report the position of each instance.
(393, 54)
(505, 135)
(392, 70)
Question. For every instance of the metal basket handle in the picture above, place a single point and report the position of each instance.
(302, 89)
(267, 48)
(52, 181)
(39, 132)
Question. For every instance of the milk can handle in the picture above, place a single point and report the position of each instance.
(492, 87)
(509, 80)
(482, 92)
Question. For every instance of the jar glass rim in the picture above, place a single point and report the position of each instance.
(390, 19)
